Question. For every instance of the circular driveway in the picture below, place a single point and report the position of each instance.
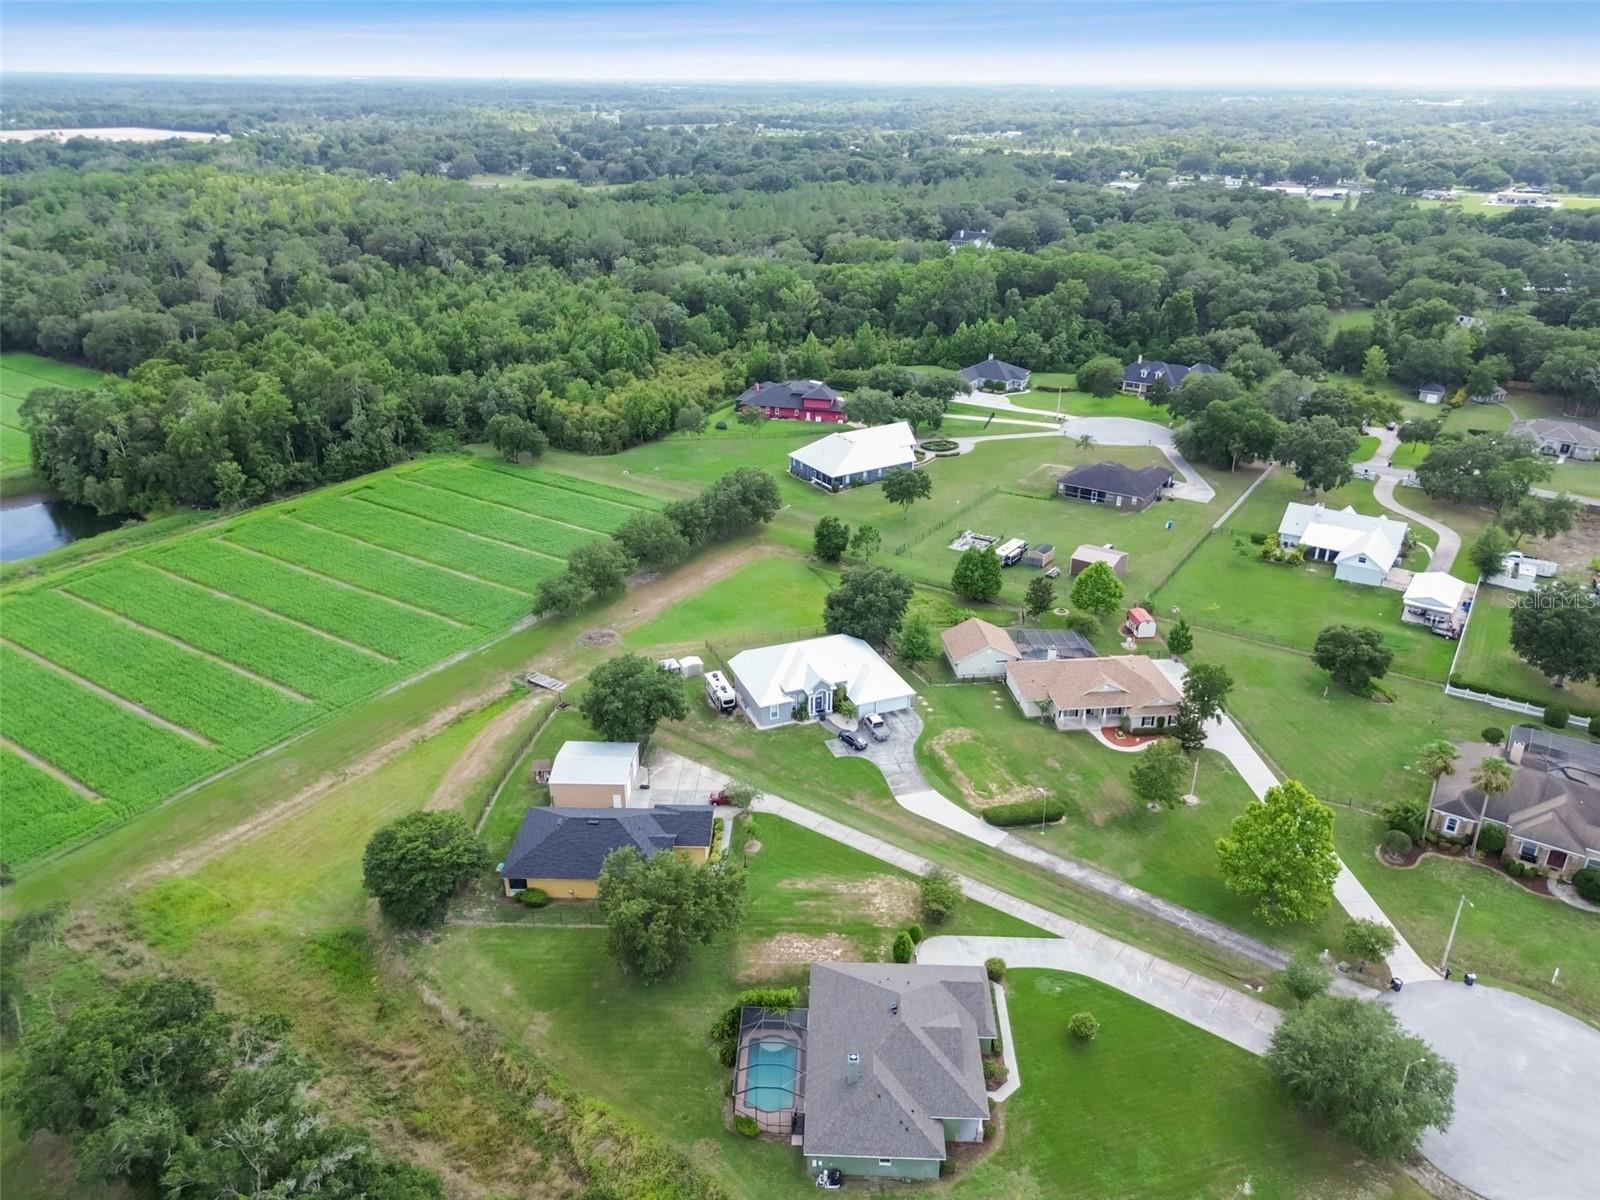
(1526, 1125)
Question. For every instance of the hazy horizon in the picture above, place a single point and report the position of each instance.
(1452, 46)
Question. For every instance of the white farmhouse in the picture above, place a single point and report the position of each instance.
(1363, 549)
(855, 456)
(774, 682)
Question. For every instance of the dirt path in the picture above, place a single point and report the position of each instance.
(479, 758)
(651, 600)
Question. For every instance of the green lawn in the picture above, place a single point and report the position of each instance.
(1580, 478)
(644, 1049)
(1487, 657)
(1225, 586)
(1365, 449)
(1155, 1108)
(775, 593)
(977, 749)
(1475, 202)
(1349, 318)
(1361, 756)
(1409, 454)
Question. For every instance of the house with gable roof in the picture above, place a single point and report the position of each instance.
(774, 683)
(1139, 377)
(794, 400)
(1362, 549)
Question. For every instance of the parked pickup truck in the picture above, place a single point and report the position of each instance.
(877, 727)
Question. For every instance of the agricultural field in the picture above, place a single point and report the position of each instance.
(19, 375)
(134, 675)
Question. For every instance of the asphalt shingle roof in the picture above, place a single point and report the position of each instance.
(791, 393)
(1117, 479)
(993, 370)
(572, 843)
(915, 1029)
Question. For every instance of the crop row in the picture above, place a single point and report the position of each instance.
(187, 689)
(539, 499)
(126, 758)
(393, 530)
(271, 648)
(381, 571)
(569, 483)
(41, 811)
(475, 516)
(400, 633)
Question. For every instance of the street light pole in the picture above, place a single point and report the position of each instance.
(1450, 941)
(1406, 1074)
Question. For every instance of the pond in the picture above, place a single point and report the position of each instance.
(35, 522)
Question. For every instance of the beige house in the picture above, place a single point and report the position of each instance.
(598, 775)
(1551, 815)
(976, 649)
(1093, 693)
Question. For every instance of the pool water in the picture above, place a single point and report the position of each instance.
(769, 1075)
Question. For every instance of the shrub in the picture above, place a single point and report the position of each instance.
(1258, 539)
(533, 897)
(1587, 882)
(1492, 838)
(1083, 1026)
(724, 1031)
(746, 1126)
(995, 969)
(1366, 941)
(940, 894)
(1305, 976)
(1408, 815)
(1493, 735)
(994, 1072)
(1397, 843)
(1555, 716)
(1084, 623)
(916, 933)
(722, 425)
(904, 949)
(1026, 812)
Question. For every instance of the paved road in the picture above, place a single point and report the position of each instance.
(1527, 1126)
(1106, 431)
(896, 758)
(1227, 739)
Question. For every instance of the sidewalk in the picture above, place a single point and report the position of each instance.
(1234, 1016)
(1227, 739)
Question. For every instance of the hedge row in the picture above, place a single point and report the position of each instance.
(1026, 812)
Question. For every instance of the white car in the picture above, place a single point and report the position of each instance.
(877, 727)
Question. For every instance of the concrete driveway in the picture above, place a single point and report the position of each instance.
(676, 780)
(1526, 1125)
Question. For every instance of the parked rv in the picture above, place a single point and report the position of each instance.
(719, 693)
(1011, 552)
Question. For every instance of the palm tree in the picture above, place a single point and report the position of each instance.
(1492, 777)
(1439, 758)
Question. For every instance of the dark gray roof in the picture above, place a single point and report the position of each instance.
(993, 370)
(1433, 387)
(962, 237)
(572, 843)
(916, 1030)
(791, 393)
(1150, 370)
(1118, 479)
(1037, 643)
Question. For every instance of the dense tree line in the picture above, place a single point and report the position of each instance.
(287, 323)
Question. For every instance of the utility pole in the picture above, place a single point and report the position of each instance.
(1450, 941)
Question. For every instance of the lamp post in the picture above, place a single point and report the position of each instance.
(1406, 1074)
(1450, 941)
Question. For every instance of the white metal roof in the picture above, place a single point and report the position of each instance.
(1346, 532)
(594, 762)
(852, 451)
(1435, 591)
(776, 675)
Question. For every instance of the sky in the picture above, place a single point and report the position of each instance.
(1433, 44)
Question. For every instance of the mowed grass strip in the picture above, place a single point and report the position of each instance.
(441, 544)
(130, 761)
(384, 572)
(512, 526)
(401, 633)
(187, 689)
(528, 495)
(41, 811)
(273, 649)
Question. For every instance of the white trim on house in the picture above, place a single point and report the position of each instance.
(1362, 549)
(772, 681)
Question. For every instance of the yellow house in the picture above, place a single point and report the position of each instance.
(560, 850)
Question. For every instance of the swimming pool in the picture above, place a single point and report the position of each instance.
(769, 1075)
